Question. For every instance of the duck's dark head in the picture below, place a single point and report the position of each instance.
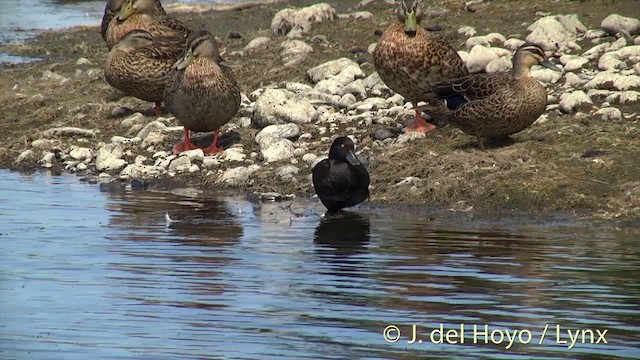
(411, 16)
(343, 149)
(200, 44)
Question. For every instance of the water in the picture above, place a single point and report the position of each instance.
(23, 19)
(90, 274)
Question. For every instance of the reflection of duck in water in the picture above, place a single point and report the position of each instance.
(347, 233)
(341, 180)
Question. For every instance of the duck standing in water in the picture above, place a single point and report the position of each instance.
(341, 180)
(202, 92)
(113, 7)
(139, 65)
(494, 105)
(409, 59)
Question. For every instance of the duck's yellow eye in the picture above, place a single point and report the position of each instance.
(341, 145)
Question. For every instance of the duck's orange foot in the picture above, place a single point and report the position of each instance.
(420, 125)
(183, 146)
(212, 150)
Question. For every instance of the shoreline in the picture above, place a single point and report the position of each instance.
(565, 161)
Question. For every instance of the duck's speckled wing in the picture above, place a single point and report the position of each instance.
(474, 87)
(168, 25)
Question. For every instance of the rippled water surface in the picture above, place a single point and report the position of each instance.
(91, 274)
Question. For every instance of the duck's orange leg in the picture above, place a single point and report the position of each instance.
(158, 109)
(185, 145)
(213, 148)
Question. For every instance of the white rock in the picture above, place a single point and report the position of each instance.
(83, 61)
(210, 161)
(149, 128)
(357, 15)
(555, 32)
(573, 62)
(258, 43)
(411, 136)
(372, 81)
(81, 153)
(363, 3)
(371, 48)
(272, 133)
(609, 113)
(300, 20)
(133, 119)
(356, 88)
(277, 150)
(513, 43)
(297, 88)
(236, 176)
(594, 34)
(545, 75)
(181, 162)
(69, 131)
(193, 155)
(42, 144)
(279, 106)
(596, 51)
(347, 100)
(636, 68)
(615, 23)
(193, 168)
(499, 65)
(467, 31)
(286, 171)
(612, 80)
(570, 102)
(294, 52)
(309, 158)
(25, 156)
(234, 154)
(572, 80)
(109, 158)
(334, 67)
(81, 167)
(154, 138)
(54, 77)
(479, 57)
(489, 39)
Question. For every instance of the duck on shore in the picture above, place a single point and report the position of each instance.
(494, 105)
(202, 92)
(409, 59)
(141, 15)
(341, 180)
(139, 65)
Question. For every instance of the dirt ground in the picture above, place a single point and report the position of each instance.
(569, 163)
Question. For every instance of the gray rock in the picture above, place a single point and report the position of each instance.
(372, 81)
(479, 57)
(356, 88)
(81, 167)
(109, 158)
(309, 158)
(133, 119)
(272, 133)
(181, 162)
(555, 32)
(297, 88)
(614, 23)
(279, 106)
(333, 68)
(408, 137)
(53, 77)
(570, 102)
(277, 150)
(210, 161)
(611, 80)
(364, 3)
(513, 43)
(467, 31)
(347, 100)
(294, 52)
(258, 43)
(153, 139)
(545, 75)
(572, 80)
(81, 153)
(83, 61)
(371, 48)
(193, 168)
(300, 20)
(609, 113)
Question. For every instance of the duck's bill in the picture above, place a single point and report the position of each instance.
(549, 65)
(126, 11)
(183, 62)
(352, 159)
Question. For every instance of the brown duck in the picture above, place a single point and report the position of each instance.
(113, 7)
(202, 92)
(409, 59)
(139, 65)
(140, 15)
(494, 105)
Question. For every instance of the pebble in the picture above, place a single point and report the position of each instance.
(180, 162)
(109, 158)
(193, 155)
(615, 23)
(570, 102)
(609, 113)
(300, 20)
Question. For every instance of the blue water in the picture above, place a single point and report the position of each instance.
(88, 272)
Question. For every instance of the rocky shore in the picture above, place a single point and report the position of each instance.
(307, 77)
